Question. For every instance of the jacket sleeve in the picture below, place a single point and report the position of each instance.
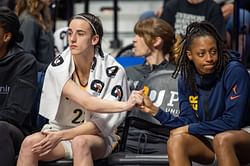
(22, 94)
(186, 115)
(237, 87)
(108, 122)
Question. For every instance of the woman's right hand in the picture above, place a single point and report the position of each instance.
(135, 99)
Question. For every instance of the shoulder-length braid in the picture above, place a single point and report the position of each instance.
(185, 66)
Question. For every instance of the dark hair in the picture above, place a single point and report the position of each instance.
(95, 24)
(186, 66)
(10, 23)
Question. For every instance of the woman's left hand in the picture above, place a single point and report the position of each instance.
(47, 144)
(148, 106)
(179, 130)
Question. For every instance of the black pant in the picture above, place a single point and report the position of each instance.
(11, 139)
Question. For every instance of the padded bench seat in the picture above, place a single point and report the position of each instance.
(129, 159)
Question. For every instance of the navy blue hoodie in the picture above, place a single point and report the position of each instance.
(220, 104)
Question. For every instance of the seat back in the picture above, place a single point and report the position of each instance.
(37, 120)
(163, 93)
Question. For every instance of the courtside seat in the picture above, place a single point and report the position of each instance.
(141, 121)
(64, 162)
(131, 159)
(61, 162)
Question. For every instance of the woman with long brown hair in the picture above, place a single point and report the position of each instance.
(36, 26)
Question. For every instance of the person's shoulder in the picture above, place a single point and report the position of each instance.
(19, 52)
(236, 68)
(21, 58)
(28, 19)
(26, 16)
(235, 64)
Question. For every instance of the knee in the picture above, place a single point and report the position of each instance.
(80, 143)
(175, 142)
(29, 141)
(222, 140)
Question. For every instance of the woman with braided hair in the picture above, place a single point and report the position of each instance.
(18, 72)
(214, 94)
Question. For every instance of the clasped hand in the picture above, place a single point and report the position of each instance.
(143, 102)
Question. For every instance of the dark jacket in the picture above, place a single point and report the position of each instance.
(221, 103)
(18, 75)
(37, 41)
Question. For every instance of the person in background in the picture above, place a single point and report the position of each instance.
(214, 96)
(243, 22)
(18, 73)
(157, 13)
(36, 26)
(75, 84)
(8, 3)
(227, 7)
(153, 39)
(180, 13)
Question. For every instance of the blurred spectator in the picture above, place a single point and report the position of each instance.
(36, 25)
(227, 7)
(180, 13)
(8, 3)
(157, 13)
(65, 9)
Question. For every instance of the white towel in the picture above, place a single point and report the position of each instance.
(57, 74)
(107, 80)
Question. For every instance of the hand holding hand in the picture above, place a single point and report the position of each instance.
(136, 98)
(148, 106)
